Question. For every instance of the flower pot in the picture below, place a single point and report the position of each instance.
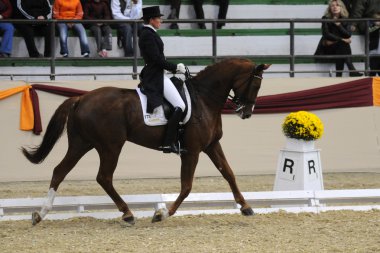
(299, 145)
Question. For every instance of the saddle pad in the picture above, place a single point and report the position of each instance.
(157, 118)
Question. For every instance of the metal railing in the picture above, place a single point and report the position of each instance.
(291, 57)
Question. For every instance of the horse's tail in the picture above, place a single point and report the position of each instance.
(53, 132)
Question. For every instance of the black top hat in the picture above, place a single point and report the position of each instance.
(151, 12)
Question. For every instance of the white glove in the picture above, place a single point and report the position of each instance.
(181, 68)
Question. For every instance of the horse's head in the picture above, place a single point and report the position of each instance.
(246, 88)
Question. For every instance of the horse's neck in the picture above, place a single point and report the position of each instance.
(214, 92)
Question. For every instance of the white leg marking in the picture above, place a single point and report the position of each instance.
(48, 205)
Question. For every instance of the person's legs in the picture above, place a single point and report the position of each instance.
(223, 8)
(81, 32)
(127, 34)
(27, 32)
(45, 31)
(171, 94)
(343, 48)
(170, 143)
(339, 65)
(374, 64)
(175, 6)
(62, 29)
(199, 14)
(107, 37)
(96, 31)
(7, 38)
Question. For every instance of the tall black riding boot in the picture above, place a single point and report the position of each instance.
(169, 145)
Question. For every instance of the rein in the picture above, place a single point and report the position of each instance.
(238, 102)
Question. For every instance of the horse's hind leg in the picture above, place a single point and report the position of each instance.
(75, 152)
(216, 155)
(108, 163)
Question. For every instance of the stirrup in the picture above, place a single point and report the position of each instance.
(173, 148)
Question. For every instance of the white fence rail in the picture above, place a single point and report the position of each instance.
(102, 207)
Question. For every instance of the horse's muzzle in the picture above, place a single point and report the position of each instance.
(245, 112)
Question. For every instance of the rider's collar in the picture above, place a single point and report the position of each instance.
(151, 27)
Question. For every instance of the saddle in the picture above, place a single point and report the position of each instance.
(162, 113)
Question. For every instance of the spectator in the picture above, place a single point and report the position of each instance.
(223, 7)
(97, 9)
(70, 9)
(368, 9)
(348, 4)
(6, 29)
(126, 10)
(34, 10)
(175, 6)
(374, 46)
(336, 37)
(364, 9)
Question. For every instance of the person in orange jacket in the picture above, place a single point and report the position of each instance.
(66, 10)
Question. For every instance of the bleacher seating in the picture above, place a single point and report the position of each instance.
(194, 46)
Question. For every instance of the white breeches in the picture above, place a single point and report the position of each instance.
(171, 94)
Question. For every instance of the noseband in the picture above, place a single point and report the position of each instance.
(239, 101)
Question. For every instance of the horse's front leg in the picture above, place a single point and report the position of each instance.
(188, 165)
(216, 155)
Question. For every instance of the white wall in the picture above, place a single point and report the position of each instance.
(350, 143)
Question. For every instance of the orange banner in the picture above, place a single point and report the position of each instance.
(26, 111)
(376, 91)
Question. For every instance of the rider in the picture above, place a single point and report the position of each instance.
(155, 83)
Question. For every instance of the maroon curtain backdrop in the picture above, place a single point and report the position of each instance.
(68, 92)
(349, 94)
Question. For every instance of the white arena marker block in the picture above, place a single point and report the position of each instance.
(299, 167)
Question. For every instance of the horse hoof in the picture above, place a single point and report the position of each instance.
(160, 215)
(129, 219)
(247, 211)
(36, 218)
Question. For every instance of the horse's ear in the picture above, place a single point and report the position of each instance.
(262, 67)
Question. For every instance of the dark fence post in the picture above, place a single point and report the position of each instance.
(134, 74)
(52, 49)
(292, 58)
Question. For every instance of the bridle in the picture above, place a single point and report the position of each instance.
(240, 102)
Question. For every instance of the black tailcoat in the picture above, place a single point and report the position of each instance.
(152, 75)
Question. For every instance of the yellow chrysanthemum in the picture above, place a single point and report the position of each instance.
(302, 125)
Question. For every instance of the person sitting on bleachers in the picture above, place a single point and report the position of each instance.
(6, 29)
(368, 9)
(70, 9)
(34, 10)
(127, 10)
(98, 9)
(364, 9)
(336, 37)
(222, 14)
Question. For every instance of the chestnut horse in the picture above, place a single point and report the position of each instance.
(107, 117)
